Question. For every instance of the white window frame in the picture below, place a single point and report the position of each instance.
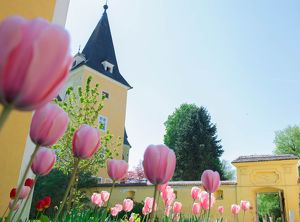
(105, 124)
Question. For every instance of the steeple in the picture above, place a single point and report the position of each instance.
(100, 53)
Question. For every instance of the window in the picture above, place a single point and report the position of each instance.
(105, 95)
(219, 194)
(103, 123)
(107, 66)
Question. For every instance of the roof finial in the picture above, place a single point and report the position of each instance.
(105, 6)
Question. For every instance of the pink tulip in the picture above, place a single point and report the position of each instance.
(148, 203)
(96, 199)
(204, 200)
(177, 207)
(235, 209)
(86, 141)
(34, 62)
(162, 187)
(127, 205)
(159, 164)
(43, 161)
(48, 125)
(117, 169)
(145, 211)
(245, 205)
(168, 210)
(168, 196)
(210, 180)
(114, 211)
(196, 208)
(195, 192)
(104, 196)
(24, 192)
(119, 207)
(10, 205)
(131, 219)
(221, 209)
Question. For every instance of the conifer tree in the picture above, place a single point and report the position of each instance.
(190, 133)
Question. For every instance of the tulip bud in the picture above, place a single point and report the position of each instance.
(127, 205)
(114, 211)
(24, 192)
(195, 192)
(104, 196)
(235, 209)
(117, 169)
(96, 199)
(221, 209)
(196, 208)
(163, 159)
(29, 182)
(210, 180)
(40, 205)
(177, 207)
(86, 141)
(47, 202)
(10, 205)
(43, 161)
(13, 193)
(48, 125)
(35, 61)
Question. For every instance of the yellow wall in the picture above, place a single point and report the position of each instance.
(252, 178)
(14, 134)
(114, 107)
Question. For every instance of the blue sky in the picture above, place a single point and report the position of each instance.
(239, 59)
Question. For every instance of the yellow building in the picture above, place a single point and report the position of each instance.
(255, 175)
(14, 144)
(98, 59)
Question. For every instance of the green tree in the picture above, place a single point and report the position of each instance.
(268, 205)
(83, 107)
(190, 133)
(287, 141)
(228, 172)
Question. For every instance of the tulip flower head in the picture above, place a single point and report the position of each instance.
(159, 164)
(196, 208)
(24, 192)
(96, 199)
(43, 161)
(86, 141)
(131, 218)
(40, 205)
(48, 124)
(195, 192)
(34, 62)
(29, 182)
(119, 207)
(210, 180)
(235, 209)
(13, 193)
(104, 196)
(114, 211)
(117, 169)
(221, 209)
(127, 205)
(47, 202)
(162, 187)
(245, 205)
(177, 207)
(10, 205)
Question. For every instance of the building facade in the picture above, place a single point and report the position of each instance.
(98, 60)
(15, 145)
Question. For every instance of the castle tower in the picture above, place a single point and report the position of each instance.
(98, 59)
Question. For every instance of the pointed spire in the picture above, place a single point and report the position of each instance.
(100, 53)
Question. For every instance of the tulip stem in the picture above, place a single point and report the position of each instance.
(111, 190)
(24, 206)
(76, 163)
(22, 182)
(4, 114)
(209, 201)
(2, 218)
(152, 217)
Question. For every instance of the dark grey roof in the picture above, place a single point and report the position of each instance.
(260, 158)
(100, 48)
(125, 142)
